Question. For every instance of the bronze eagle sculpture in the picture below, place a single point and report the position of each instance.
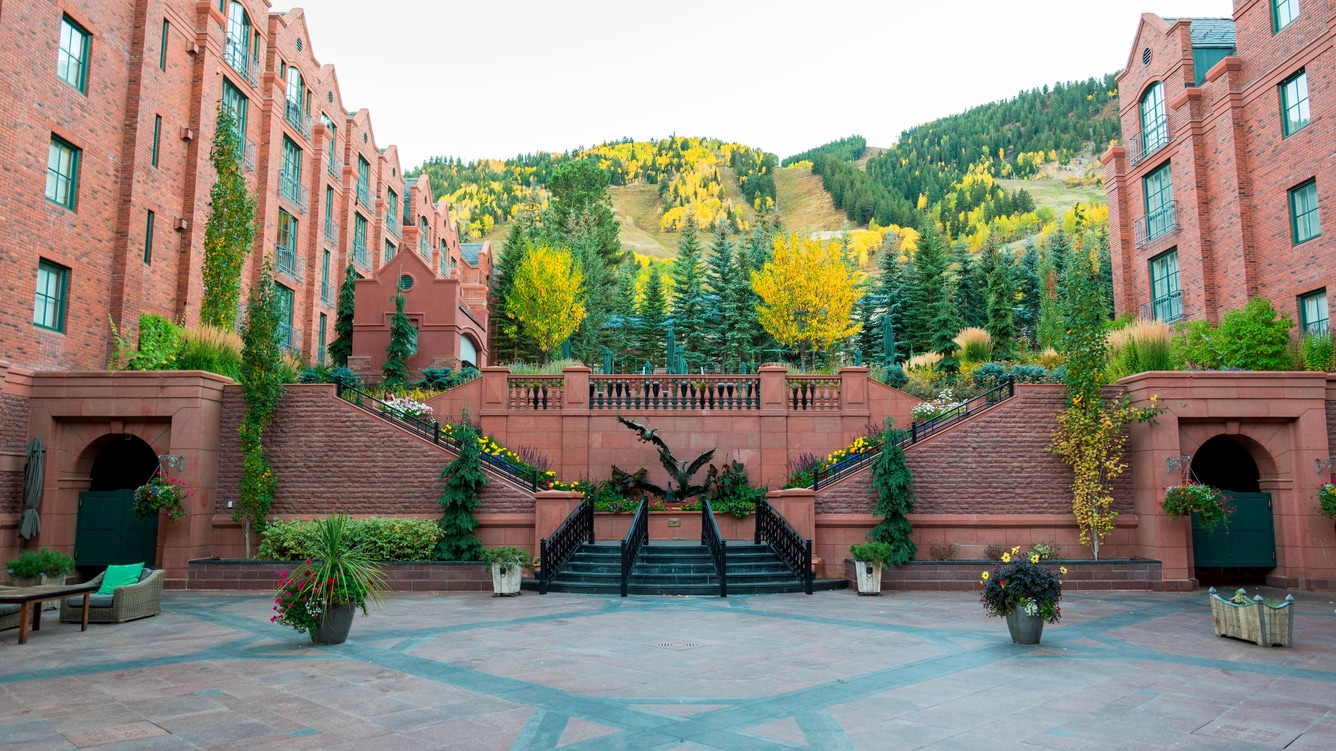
(679, 472)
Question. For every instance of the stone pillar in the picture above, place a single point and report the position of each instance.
(575, 389)
(772, 388)
(550, 509)
(798, 507)
(495, 390)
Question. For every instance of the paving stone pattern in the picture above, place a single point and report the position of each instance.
(829, 671)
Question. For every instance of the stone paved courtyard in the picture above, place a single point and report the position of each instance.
(830, 671)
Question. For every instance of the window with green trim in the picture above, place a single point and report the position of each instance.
(1166, 298)
(1154, 121)
(363, 180)
(157, 136)
(72, 60)
(285, 297)
(329, 211)
(1294, 102)
(162, 46)
(1159, 190)
(53, 283)
(1313, 312)
(236, 101)
(392, 210)
(320, 353)
(389, 250)
(1303, 212)
(1283, 12)
(148, 238)
(62, 173)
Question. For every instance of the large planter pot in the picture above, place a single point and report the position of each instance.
(1253, 620)
(506, 581)
(869, 578)
(1025, 629)
(335, 624)
(37, 581)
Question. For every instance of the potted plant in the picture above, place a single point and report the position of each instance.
(159, 494)
(42, 566)
(1024, 593)
(1209, 504)
(1263, 622)
(319, 597)
(869, 559)
(507, 565)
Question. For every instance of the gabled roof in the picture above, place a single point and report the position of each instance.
(1213, 33)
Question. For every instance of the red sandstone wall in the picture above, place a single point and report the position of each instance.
(13, 437)
(331, 456)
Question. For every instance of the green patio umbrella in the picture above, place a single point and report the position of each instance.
(33, 473)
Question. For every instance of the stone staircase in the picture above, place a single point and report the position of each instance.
(677, 568)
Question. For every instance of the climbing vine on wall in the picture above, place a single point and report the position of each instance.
(262, 379)
(230, 232)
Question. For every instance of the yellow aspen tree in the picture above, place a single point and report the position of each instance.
(807, 292)
(547, 297)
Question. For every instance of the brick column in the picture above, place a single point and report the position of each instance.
(550, 509)
(798, 507)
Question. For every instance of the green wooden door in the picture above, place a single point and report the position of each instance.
(1249, 542)
(108, 533)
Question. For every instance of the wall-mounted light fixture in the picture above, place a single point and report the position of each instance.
(1322, 464)
(1177, 463)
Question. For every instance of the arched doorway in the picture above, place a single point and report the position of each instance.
(1245, 552)
(107, 532)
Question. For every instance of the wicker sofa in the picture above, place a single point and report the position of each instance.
(9, 617)
(139, 600)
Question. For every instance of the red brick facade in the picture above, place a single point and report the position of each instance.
(1232, 164)
(139, 92)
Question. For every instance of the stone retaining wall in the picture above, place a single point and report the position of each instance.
(963, 576)
(421, 576)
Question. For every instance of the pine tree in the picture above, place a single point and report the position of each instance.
(688, 308)
(464, 480)
(342, 347)
(719, 279)
(929, 292)
(653, 313)
(1001, 297)
(891, 290)
(579, 186)
(894, 483)
(599, 286)
(505, 331)
(1030, 292)
(622, 323)
(402, 344)
(969, 294)
(230, 231)
(946, 321)
(1051, 272)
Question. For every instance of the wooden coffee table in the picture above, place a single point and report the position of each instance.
(28, 596)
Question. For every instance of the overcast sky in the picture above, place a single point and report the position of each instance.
(494, 78)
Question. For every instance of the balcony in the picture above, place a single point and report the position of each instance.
(332, 232)
(360, 256)
(248, 154)
(234, 53)
(1167, 309)
(334, 166)
(297, 195)
(296, 118)
(327, 297)
(1142, 145)
(392, 224)
(446, 271)
(288, 263)
(1156, 224)
(363, 193)
(424, 249)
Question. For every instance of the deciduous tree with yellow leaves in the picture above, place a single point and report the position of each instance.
(807, 291)
(547, 297)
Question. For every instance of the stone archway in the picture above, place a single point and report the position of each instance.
(1246, 552)
(106, 531)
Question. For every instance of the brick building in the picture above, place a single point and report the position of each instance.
(1216, 194)
(118, 102)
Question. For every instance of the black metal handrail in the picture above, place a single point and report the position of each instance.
(636, 537)
(556, 551)
(791, 548)
(917, 432)
(711, 538)
(526, 477)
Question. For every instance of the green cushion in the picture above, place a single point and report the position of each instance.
(119, 576)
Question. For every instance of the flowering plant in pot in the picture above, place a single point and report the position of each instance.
(160, 493)
(1024, 593)
(1210, 504)
(1326, 498)
(320, 596)
(508, 564)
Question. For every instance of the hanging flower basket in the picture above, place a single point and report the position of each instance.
(158, 494)
(1211, 505)
(1326, 498)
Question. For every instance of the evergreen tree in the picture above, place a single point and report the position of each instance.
(504, 332)
(969, 296)
(230, 231)
(578, 187)
(464, 480)
(402, 345)
(929, 293)
(868, 339)
(688, 308)
(946, 322)
(1030, 291)
(1001, 298)
(894, 483)
(719, 275)
(1101, 238)
(599, 286)
(342, 347)
(653, 313)
(623, 333)
(891, 289)
(1051, 272)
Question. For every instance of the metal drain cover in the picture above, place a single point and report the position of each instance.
(677, 646)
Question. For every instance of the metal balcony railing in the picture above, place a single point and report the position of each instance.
(1168, 308)
(296, 118)
(360, 256)
(363, 193)
(332, 232)
(327, 294)
(1142, 145)
(234, 53)
(334, 166)
(1158, 223)
(289, 338)
(286, 261)
(248, 154)
(291, 189)
(424, 249)
(392, 224)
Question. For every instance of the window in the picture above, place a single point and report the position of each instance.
(1303, 212)
(148, 239)
(157, 135)
(1294, 103)
(238, 52)
(235, 101)
(389, 251)
(285, 335)
(1166, 300)
(320, 353)
(162, 47)
(290, 174)
(296, 97)
(359, 239)
(326, 294)
(53, 282)
(363, 181)
(286, 260)
(1160, 215)
(1313, 312)
(332, 163)
(1283, 12)
(392, 213)
(62, 173)
(423, 244)
(1154, 122)
(329, 211)
(72, 60)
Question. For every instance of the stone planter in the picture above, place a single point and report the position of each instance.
(37, 581)
(506, 581)
(1254, 620)
(335, 624)
(869, 578)
(1025, 629)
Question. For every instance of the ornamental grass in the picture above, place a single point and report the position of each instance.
(211, 349)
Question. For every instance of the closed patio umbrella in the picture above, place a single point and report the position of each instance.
(33, 473)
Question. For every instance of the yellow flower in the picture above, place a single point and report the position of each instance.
(1034, 558)
(1063, 569)
(985, 576)
(1006, 557)
(1016, 550)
